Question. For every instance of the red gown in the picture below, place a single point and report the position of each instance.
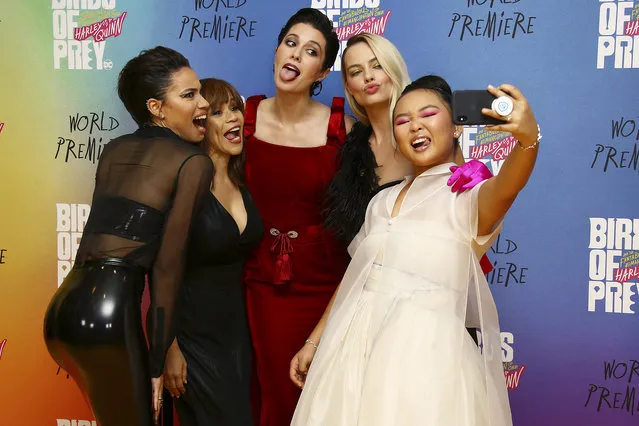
(293, 273)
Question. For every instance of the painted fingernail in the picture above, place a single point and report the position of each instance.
(490, 86)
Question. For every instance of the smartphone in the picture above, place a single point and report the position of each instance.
(467, 105)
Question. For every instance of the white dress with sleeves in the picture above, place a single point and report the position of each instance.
(395, 350)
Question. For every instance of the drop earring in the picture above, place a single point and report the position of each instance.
(316, 88)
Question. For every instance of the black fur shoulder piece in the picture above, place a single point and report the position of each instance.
(353, 185)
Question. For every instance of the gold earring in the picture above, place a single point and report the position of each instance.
(162, 120)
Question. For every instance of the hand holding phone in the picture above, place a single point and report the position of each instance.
(467, 105)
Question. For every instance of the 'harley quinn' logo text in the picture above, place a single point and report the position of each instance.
(613, 265)
(80, 30)
(352, 17)
(512, 371)
(618, 42)
(490, 147)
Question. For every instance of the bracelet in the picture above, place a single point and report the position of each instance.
(534, 145)
(310, 342)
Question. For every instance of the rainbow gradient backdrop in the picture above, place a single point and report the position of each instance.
(562, 346)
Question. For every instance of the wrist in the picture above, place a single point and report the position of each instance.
(530, 144)
(311, 342)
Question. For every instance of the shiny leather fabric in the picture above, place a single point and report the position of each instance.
(125, 218)
(93, 330)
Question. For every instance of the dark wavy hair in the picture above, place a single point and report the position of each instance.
(321, 23)
(218, 92)
(147, 76)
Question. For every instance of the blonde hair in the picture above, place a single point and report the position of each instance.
(392, 63)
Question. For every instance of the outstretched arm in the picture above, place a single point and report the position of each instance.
(498, 193)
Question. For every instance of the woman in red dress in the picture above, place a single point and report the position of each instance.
(291, 146)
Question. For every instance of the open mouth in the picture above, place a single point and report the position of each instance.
(233, 135)
(200, 122)
(289, 72)
(421, 143)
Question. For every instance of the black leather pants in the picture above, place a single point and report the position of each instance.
(93, 330)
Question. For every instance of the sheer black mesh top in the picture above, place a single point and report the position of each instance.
(148, 186)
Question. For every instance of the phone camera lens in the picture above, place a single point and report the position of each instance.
(462, 118)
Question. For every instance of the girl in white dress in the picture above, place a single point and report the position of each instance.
(394, 348)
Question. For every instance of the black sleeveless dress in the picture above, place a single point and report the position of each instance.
(149, 186)
(213, 332)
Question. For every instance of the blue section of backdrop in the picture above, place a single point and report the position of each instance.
(549, 50)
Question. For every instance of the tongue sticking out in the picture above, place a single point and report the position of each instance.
(287, 74)
(233, 136)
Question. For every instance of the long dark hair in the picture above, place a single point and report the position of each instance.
(218, 92)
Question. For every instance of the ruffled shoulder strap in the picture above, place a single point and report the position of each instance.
(336, 134)
(250, 113)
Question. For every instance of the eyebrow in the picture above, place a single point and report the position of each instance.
(373, 59)
(319, 47)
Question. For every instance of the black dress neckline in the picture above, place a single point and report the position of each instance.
(243, 193)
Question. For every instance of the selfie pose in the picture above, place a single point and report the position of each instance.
(393, 342)
(374, 75)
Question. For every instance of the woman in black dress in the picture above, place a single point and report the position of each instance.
(148, 186)
(208, 366)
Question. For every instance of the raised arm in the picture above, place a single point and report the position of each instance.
(499, 192)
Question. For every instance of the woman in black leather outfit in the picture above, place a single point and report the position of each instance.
(148, 187)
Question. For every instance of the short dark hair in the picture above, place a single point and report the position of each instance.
(321, 23)
(147, 76)
(217, 92)
(435, 84)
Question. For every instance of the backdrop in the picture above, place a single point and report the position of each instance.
(566, 263)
